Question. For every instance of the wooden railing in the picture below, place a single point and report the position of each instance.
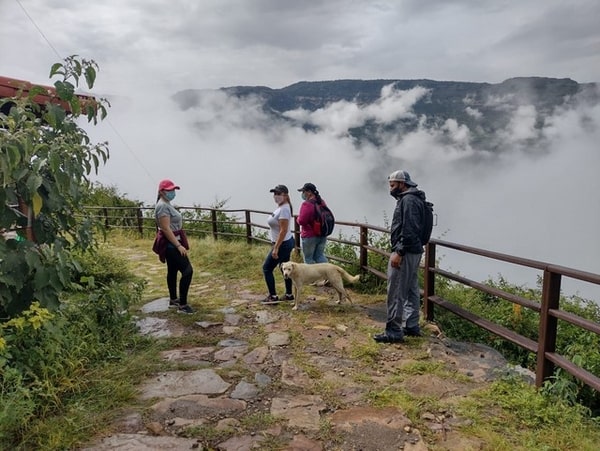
(223, 223)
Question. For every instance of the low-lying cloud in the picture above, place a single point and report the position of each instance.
(534, 196)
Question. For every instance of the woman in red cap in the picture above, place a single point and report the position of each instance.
(170, 224)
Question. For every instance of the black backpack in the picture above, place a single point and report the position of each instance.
(324, 220)
(427, 222)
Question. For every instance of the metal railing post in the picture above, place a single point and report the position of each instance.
(548, 324)
(429, 281)
(363, 254)
(248, 228)
(213, 217)
(297, 240)
(106, 226)
(140, 221)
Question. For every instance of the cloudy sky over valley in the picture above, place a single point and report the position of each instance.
(519, 202)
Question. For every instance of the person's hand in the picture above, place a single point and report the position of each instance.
(275, 253)
(182, 250)
(395, 259)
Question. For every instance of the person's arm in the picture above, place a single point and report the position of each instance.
(164, 223)
(306, 216)
(283, 227)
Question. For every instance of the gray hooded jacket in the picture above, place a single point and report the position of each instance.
(407, 222)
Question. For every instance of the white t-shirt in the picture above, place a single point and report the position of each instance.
(283, 212)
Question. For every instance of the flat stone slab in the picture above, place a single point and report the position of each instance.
(244, 390)
(155, 327)
(191, 356)
(278, 339)
(257, 356)
(158, 305)
(302, 411)
(137, 442)
(390, 417)
(197, 407)
(180, 383)
(386, 427)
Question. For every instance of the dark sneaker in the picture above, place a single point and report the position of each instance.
(185, 309)
(412, 331)
(289, 297)
(174, 303)
(271, 299)
(385, 338)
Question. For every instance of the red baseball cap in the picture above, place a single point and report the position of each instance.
(167, 185)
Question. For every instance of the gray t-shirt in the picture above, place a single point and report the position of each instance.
(163, 208)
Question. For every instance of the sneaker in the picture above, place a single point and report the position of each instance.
(289, 297)
(174, 303)
(385, 338)
(271, 299)
(185, 309)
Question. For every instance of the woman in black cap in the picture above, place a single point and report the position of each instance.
(313, 244)
(280, 231)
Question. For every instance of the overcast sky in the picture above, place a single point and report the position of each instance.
(215, 43)
(529, 205)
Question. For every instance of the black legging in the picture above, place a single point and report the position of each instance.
(178, 263)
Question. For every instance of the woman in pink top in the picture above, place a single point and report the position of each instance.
(313, 245)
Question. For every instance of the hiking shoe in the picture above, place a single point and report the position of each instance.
(271, 299)
(289, 297)
(174, 303)
(385, 338)
(185, 309)
(412, 331)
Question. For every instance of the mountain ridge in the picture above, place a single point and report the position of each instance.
(485, 108)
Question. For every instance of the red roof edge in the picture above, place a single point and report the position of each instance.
(12, 87)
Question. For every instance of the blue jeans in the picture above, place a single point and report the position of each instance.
(403, 297)
(313, 249)
(285, 250)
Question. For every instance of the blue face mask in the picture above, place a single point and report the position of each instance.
(303, 195)
(170, 195)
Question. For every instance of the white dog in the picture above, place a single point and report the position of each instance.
(304, 274)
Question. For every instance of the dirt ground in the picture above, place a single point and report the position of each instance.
(252, 376)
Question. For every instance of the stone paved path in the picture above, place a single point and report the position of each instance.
(273, 379)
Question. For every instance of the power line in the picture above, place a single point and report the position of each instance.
(114, 129)
(39, 30)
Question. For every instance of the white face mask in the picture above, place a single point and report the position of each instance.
(278, 198)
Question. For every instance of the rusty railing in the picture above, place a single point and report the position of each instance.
(223, 223)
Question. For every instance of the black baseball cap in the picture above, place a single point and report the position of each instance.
(279, 189)
(308, 187)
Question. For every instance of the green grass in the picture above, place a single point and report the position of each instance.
(505, 415)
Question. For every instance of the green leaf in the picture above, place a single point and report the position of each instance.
(35, 91)
(33, 182)
(75, 106)
(90, 76)
(77, 68)
(14, 156)
(64, 90)
(56, 69)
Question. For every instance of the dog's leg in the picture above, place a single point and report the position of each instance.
(348, 297)
(297, 290)
(338, 285)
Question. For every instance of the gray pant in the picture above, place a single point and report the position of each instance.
(403, 303)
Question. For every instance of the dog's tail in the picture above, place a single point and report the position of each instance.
(347, 276)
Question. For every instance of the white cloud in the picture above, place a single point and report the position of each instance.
(148, 50)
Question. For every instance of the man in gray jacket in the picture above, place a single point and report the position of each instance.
(403, 303)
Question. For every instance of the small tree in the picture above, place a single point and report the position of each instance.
(45, 163)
